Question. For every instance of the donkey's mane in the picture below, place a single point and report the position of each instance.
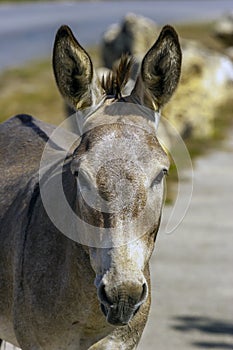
(114, 82)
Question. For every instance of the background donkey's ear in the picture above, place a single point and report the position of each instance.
(160, 70)
(73, 70)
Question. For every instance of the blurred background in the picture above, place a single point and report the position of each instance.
(192, 275)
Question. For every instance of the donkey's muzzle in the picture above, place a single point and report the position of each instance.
(120, 309)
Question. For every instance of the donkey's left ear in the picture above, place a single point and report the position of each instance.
(73, 70)
(160, 70)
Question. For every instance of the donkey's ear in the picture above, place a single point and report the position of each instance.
(73, 70)
(160, 70)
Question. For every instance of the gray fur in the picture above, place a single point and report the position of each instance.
(56, 293)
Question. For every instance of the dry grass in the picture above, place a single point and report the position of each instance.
(202, 32)
(31, 89)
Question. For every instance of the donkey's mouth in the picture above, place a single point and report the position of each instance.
(116, 317)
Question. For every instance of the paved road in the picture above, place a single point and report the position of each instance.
(192, 269)
(27, 30)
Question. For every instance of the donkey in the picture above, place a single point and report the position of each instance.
(78, 278)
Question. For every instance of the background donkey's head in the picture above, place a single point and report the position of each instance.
(119, 163)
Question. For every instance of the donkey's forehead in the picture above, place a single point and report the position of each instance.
(120, 131)
(121, 141)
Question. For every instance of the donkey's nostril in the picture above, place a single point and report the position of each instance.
(121, 303)
(144, 292)
(103, 296)
(136, 295)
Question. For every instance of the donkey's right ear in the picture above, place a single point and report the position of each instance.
(160, 71)
(73, 70)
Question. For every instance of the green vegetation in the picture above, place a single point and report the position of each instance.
(223, 120)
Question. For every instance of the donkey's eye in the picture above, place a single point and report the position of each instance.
(75, 165)
(159, 177)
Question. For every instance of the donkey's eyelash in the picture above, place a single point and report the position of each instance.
(159, 177)
(76, 173)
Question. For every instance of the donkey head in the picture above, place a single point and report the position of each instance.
(119, 163)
